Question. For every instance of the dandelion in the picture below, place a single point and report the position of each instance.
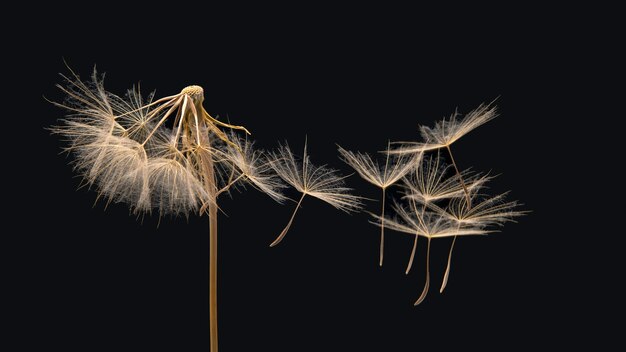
(487, 211)
(439, 200)
(484, 212)
(381, 176)
(448, 131)
(427, 224)
(255, 167)
(319, 182)
(430, 184)
(166, 155)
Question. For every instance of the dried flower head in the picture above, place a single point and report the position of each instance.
(167, 154)
(124, 148)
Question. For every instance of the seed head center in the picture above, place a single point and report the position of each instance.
(194, 92)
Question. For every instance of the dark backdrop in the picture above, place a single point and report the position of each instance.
(90, 278)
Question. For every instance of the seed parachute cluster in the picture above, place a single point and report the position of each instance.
(167, 155)
(437, 200)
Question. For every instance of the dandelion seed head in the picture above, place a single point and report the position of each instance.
(124, 148)
(195, 92)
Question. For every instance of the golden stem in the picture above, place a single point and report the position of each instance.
(286, 229)
(382, 230)
(469, 206)
(408, 267)
(427, 284)
(205, 160)
(447, 274)
(467, 197)
(419, 218)
(213, 275)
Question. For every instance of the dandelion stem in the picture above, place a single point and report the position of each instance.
(286, 229)
(408, 268)
(382, 230)
(447, 274)
(467, 197)
(210, 183)
(469, 205)
(419, 218)
(427, 284)
(213, 275)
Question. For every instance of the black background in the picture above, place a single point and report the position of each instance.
(87, 278)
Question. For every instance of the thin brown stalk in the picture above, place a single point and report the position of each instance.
(458, 174)
(383, 177)
(427, 284)
(286, 229)
(382, 229)
(469, 205)
(447, 274)
(213, 276)
(408, 267)
(210, 183)
(419, 218)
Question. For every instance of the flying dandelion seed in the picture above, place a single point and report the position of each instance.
(429, 184)
(255, 167)
(448, 131)
(319, 182)
(427, 224)
(382, 176)
(123, 147)
(485, 212)
(439, 203)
